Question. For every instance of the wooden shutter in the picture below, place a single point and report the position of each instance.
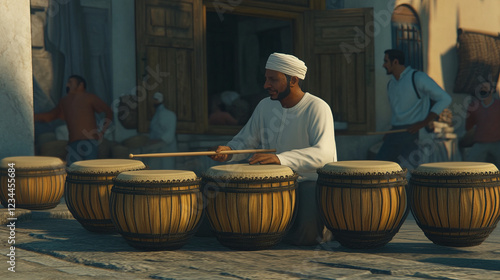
(170, 59)
(338, 47)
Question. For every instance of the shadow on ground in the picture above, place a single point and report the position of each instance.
(466, 262)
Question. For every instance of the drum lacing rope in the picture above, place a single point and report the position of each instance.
(245, 180)
(391, 174)
(362, 180)
(157, 183)
(217, 188)
(41, 172)
(220, 184)
(455, 180)
(99, 172)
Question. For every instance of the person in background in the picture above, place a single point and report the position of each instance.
(162, 136)
(78, 109)
(483, 114)
(220, 114)
(411, 106)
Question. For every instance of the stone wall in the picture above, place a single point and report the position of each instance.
(16, 86)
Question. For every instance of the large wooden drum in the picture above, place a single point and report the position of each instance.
(156, 209)
(250, 207)
(455, 203)
(88, 188)
(38, 182)
(363, 203)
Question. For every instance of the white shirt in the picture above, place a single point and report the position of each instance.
(303, 135)
(406, 107)
(163, 125)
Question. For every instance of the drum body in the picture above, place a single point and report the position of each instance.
(250, 207)
(363, 203)
(456, 203)
(38, 182)
(88, 188)
(156, 209)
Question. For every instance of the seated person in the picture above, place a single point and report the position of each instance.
(483, 114)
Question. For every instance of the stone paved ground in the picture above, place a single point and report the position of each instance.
(52, 245)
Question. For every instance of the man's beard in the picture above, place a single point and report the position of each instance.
(282, 95)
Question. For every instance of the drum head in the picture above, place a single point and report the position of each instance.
(360, 167)
(143, 176)
(455, 167)
(105, 166)
(33, 162)
(240, 171)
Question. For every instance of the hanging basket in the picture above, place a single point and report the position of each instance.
(479, 60)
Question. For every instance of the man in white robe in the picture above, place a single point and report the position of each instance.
(162, 138)
(300, 127)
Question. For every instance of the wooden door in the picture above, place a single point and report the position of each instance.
(339, 55)
(170, 60)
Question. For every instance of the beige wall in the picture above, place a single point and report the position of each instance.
(16, 84)
(439, 21)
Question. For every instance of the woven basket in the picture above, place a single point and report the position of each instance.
(479, 60)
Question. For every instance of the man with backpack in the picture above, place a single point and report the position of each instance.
(410, 94)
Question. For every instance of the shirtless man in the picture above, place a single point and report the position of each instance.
(78, 109)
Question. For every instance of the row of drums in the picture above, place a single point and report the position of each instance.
(251, 207)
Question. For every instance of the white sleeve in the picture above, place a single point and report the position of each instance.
(322, 148)
(168, 122)
(248, 137)
(435, 92)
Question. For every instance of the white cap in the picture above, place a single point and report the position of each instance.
(287, 64)
(158, 96)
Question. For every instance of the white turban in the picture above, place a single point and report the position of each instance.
(287, 64)
(158, 96)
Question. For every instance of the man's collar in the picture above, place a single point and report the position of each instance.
(407, 70)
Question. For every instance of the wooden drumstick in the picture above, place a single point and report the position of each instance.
(203, 153)
(387, 132)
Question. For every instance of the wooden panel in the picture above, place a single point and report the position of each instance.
(303, 3)
(360, 89)
(339, 54)
(339, 106)
(170, 59)
(157, 24)
(171, 21)
(184, 77)
(325, 79)
(223, 6)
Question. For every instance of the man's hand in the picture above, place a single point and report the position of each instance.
(221, 157)
(416, 127)
(264, 159)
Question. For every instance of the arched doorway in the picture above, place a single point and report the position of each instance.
(407, 35)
